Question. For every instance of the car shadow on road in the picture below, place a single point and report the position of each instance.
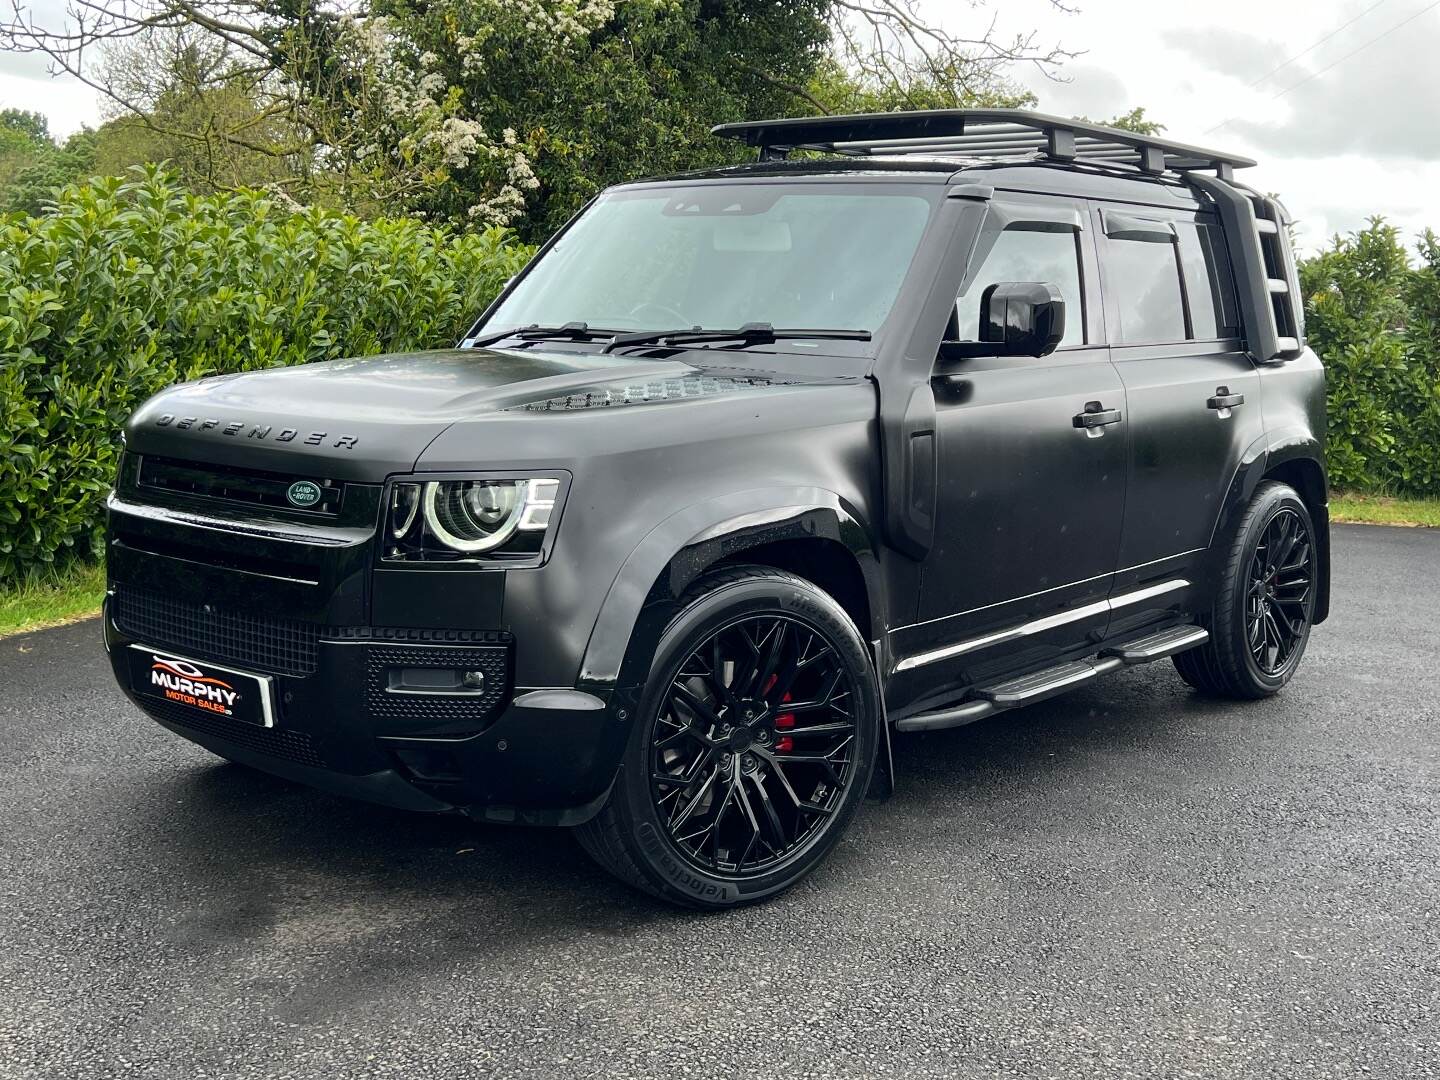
(265, 852)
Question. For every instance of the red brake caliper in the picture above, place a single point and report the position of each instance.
(783, 743)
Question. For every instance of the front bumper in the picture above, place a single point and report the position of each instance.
(534, 757)
(359, 653)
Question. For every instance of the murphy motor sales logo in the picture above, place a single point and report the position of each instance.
(183, 682)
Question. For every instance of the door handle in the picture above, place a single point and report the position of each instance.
(1224, 401)
(1095, 419)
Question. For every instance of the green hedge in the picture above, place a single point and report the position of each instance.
(127, 286)
(1373, 315)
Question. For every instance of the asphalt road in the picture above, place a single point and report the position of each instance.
(1127, 882)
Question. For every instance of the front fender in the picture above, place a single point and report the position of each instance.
(684, 545)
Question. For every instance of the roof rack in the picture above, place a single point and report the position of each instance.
(986, 134)
(1255, 225)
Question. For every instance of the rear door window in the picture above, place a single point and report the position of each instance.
(1142, 273)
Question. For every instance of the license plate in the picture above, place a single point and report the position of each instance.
(202, 686)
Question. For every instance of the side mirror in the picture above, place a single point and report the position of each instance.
(1017, 318)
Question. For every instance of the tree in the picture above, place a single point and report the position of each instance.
(1135, 121)
(32, 166)
(888, 55)
(1381, 376)
(190, 105)
(24, 138)
(498, 111)
(30, 188)
(32, 126)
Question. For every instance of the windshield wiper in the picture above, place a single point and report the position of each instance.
(755, 333)
(570, 331)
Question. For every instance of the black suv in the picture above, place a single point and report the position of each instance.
(919, 418)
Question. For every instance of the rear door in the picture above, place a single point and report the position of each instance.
(1192, 395)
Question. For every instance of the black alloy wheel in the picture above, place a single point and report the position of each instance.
(1280, 600)
(754, 745)
(753, 748)
(1264, 601)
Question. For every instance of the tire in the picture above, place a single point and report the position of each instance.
(754, 808)
(1260, 623)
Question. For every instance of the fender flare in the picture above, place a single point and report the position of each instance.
(1243, 482)
(1293, 444)
(684, 545)
(1271, 450)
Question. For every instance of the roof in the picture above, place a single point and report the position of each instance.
(974, 135)
(1038, 175)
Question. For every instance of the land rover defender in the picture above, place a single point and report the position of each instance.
(916, 419)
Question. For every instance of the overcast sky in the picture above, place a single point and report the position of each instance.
(1354, 135)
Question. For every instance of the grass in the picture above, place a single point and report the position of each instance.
(51, 599)
(1384, 510)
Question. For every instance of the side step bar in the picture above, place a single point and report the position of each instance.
(1158, 646)
(1028, 689)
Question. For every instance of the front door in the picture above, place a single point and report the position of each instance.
(1030, 493)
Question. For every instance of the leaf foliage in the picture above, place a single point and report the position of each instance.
(1373, 315)
(129, 285)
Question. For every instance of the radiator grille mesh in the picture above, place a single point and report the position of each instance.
(279, 646)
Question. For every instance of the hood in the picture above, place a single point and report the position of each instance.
(365, 419)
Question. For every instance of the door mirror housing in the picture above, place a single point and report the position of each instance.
(1017, 318)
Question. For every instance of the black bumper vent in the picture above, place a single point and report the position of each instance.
(273, 742)
(425, 709)
(277, 646)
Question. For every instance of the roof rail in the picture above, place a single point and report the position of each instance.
(987, 134)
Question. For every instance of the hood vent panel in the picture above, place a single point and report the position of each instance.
(651, 392)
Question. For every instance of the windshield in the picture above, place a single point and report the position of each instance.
(814, 256)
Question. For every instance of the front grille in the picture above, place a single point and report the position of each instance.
(272, 742)
(250, 486)
(277, 646)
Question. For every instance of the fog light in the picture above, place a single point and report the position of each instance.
(438, 681)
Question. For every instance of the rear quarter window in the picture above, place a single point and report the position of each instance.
(1209, 280)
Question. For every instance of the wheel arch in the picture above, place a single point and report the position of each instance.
(1305, 472)
(1294, 457)
(810, 532)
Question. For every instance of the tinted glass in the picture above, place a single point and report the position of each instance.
(1144, 278)
(720, 256)
(1023, 255)
(1210, 280)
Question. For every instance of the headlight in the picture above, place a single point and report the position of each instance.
(472, 516)
(446, 520)
(404, 505)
